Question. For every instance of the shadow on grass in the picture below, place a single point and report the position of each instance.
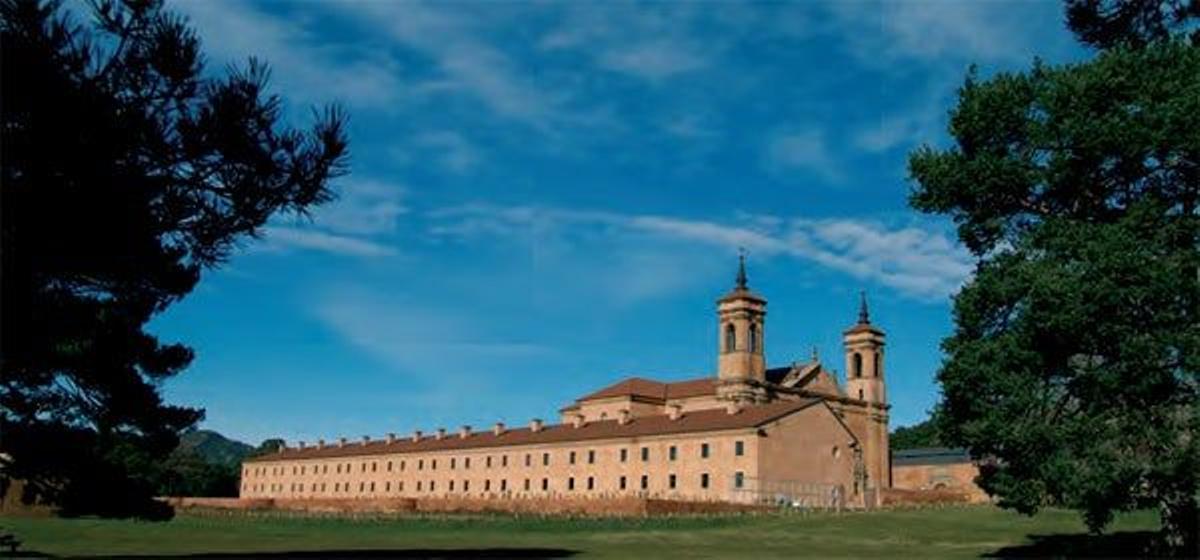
(354, 554)
(1125, 544)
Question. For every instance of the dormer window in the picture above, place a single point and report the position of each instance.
(730, 338)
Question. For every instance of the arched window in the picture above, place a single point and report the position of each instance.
(730, 338)
(754, 342)
(857, 365)
(878, 366)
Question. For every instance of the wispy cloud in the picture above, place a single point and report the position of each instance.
(653, 60)
(451, 150)
(917, 262)
(806, 150)
(283, 238)
(306, 65)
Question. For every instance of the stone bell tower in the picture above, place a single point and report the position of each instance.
(864, 344)
(864, 358)
(741, 368)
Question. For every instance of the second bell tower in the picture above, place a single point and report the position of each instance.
(741, 367)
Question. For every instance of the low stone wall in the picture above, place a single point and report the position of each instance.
(901, 497)
(616, 506)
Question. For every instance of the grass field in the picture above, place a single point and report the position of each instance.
(945, 532)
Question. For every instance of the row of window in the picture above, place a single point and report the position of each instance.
(739, 449)
(465, 486)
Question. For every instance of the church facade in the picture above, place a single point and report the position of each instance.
(750, 433)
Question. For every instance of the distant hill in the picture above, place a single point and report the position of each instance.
(214, 448)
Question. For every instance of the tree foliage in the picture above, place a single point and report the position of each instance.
(127, 170)
(922, 434)
(1075, 358)
(1106, 24)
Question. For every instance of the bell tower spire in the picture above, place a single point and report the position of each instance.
(864, 316)
(741, 275)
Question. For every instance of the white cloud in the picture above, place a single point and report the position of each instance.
(804, 149)
(467, 63)
(363, 207)
(653, 60)
(452, 150)
(917, 262)
(309, 69)
(283, 238)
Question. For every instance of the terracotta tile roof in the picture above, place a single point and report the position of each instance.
(696, 421)
(654, 390)
(633, 386)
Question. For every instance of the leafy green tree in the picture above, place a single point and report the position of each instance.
(922, 434)
(1075, 357)
(126, 170)
(1132, 23)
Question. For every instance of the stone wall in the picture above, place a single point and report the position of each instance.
(614, 506)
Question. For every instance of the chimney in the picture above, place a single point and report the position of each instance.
(577, 420)
(416, 436)
(341, 442)
(441, 433)
(320, 444)
(623, 417)
(498, 428)
(464, 431)
(391, 438)
(535, 425)
(733, 407)
(366, 440)
(674, 412)
(300, 445)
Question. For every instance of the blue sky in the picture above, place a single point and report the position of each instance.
(546, 197)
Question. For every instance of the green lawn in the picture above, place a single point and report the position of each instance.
(943, 532)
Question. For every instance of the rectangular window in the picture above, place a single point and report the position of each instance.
(527, 459)
(591, 456)
(570, 483)
(487, 462)
(466, 486)
(571, 458)
(421, 464)
(504, 460)
(624, 455)
(704, 480)
(374, 467)
(526, 484)
(622, 483)
(739, 448)
(591, 483)
(545, 484)
(503, 485)
(452, 461)
(419, 485)
(433, 464)
(361, 485)
(645, 482)
(487, 486)
(364, 467)
(671, 453)
(645, 454)
(739, 479)
(703, 450)
(372, 486)
(466, 462)
(546, 459)
(389, 467)
(431, 483)
(671, 481)
(401, 485)
(401, 466)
